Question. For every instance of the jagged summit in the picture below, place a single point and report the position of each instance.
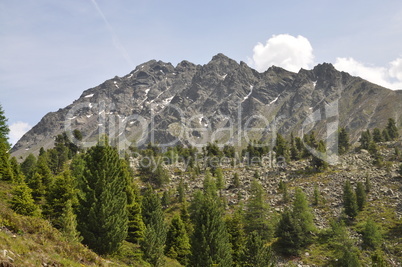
(221, 100)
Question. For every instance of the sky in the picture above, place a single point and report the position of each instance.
(51, 51)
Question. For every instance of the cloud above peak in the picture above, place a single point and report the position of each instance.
(293, 53)
(389, 77)
(283, 50)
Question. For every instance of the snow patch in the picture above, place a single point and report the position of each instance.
(273, 101)
(314, 83)
(88, 96)
(89, 116)
(247, 96)
(147, 91)
(131, 75)
(115, 84)
(167, 100)
(90, 105)
(72, 118)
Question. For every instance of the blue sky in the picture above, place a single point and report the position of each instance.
(51, 51)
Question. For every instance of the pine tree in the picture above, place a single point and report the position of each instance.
(136, 227)
(349, 201)
(36, 184)
(316, 195)
(343, 141)
(68, 223)
(186, 218)
(256, 253)
(22, 201)
(392, 129)
(181, 191)
(102, 214)
(155, 234)
(372, 237)
(257, 212)
(210, 243)
(377, 259)
(177, 241)
(60, 193)
(360, 196)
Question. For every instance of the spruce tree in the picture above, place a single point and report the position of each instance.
(177, 241)
(102, 214)
(210, 243)
(18, 176)
(360, 196)
(22, 201)
(257, 212)
(349, 201)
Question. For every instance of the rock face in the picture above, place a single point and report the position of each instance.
(222, 100)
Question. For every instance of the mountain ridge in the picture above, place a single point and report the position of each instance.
(188, 98)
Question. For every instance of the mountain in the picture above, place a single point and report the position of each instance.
(222, 100)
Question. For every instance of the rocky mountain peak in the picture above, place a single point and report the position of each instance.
(222, 94)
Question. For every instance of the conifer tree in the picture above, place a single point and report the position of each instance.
(155, 232)
(68, 223)
(36, 184)
(295, 227)
(22, 201)
(220, 180)
(372, 237)
(319, 163)
(177, 241)
(6, 172)
(102, 214)
(210, 243)
(136, 227)
(281, 147)
(385, 135)
(377, 259)
(4, 130)
(186, 218)
(236, 180)
(18, 176)
(257, 212)
(365, 139)
(28, 166)
(181, 191)
(343, 141)
(256, 253)
(349, 201)
(392, 129)
(377, 135)
(62, 192)
(360, 196)
(237, 235)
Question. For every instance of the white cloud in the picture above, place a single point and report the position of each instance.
(17, 130)
(284, 50)
(389, 77)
